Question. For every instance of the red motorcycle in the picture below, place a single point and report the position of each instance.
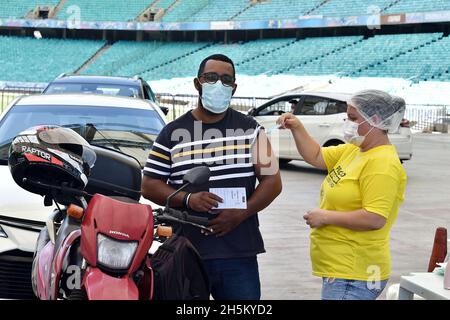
(96, 243)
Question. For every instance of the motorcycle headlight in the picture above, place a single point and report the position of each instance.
(115, 254)
(3, 233)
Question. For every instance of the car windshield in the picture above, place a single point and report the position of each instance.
(130, 131)
(95, 88)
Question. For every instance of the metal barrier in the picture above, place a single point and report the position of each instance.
(428, 118)
(8, 94)
(181, 103)
(422, 117)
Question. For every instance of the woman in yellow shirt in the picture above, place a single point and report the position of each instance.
(359, 198)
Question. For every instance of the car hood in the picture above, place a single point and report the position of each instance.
(16, 202)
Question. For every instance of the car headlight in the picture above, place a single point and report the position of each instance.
(115, 254)
(3, 233)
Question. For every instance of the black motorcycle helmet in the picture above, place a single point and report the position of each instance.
(50, 155)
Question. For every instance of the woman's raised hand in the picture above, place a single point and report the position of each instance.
(288, 121)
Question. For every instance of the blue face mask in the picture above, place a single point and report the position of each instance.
(216, 97)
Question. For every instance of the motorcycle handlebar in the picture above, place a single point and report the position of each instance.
(61, 188)
(187, 217)
(173, 215)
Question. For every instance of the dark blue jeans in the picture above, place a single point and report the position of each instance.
(234, 279)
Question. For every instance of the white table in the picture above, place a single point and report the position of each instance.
(428, 285)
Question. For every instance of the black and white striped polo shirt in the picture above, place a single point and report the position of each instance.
(226, 148)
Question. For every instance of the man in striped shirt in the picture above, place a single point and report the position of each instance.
(238, 153)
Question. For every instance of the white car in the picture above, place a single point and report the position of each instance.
(323, 116)
(124, 124)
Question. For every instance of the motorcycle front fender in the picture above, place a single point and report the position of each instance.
(100, 286)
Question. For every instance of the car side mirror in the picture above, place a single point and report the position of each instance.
(251, 112)
(165, 110)
(197, 176)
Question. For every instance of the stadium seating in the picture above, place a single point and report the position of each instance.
(267, 56)
(119, 55)
(183, 10)
(427, 62)
(132, 58)
(165, 4)
(358, 7)
(220, 10)
(365, 53)
(44, 59)
(279, 9)
(422, 56)
(419, 6)
(103, 10)
(346, 56)
(353, 7)
(239, 52)
(284, 59)
(19, 9)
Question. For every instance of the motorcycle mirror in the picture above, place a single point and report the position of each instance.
(197, 176)
(48, 201)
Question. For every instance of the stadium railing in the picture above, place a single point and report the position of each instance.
(179, 104)
(428, 118)
(8, 94)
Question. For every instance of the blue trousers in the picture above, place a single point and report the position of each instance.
(342, 289)
(234, 279)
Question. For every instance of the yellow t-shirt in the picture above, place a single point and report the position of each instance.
(373, 180)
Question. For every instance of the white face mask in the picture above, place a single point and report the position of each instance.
(216, 97)
(351, 134)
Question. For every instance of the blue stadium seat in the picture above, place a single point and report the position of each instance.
(422, 63)
(399, 55)
(126, 58)
(19, 9)
(352, 7)
(365, 53)
(103, 10)
(279, 9)
(183, 10)
(419, 6)
(41, 60)
(220, 10)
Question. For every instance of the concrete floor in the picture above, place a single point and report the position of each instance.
(285, 268)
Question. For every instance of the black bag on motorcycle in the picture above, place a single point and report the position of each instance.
(178, 271)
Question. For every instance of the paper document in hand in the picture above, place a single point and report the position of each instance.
(233, 198)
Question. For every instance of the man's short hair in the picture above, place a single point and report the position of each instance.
(218, 57)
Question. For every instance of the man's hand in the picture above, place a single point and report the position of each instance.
(227, 220)
(316, 218)
(204, 201)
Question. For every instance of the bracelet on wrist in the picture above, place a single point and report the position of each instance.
(187, 200)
